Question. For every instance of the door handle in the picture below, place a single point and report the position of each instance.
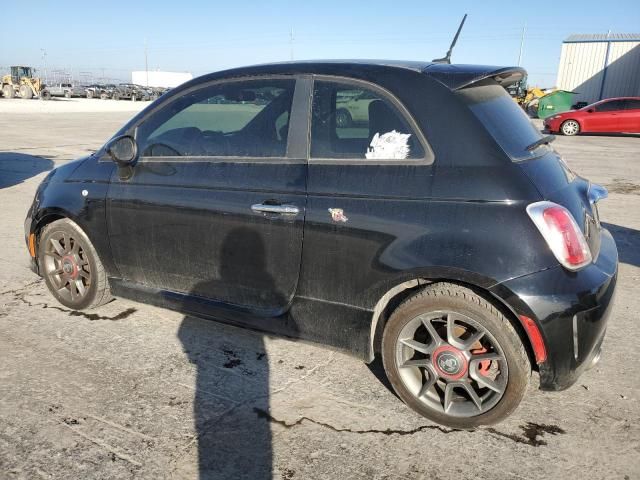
(279, 209)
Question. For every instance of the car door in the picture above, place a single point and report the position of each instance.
(215, 205)
(364, 178)
(605, 117)
(630, 116)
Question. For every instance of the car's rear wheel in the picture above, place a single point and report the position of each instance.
(67, 94)
(71, 267)
(454, 358)
(570, 128)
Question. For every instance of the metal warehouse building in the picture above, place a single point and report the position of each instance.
(598, 66)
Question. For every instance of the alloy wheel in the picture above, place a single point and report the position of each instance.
(570, 127)
(66, 264)
(451, 364)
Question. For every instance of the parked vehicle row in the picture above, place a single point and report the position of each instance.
(21, 83)
(123, 91)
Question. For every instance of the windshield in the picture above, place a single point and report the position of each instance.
(505, 120)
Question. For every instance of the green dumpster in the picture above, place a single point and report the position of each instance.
(555, 102)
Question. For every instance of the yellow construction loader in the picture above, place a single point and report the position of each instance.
(528, 97)
(21, 82)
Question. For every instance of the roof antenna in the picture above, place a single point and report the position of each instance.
(447, 58)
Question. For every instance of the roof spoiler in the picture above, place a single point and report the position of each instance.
(456, 77)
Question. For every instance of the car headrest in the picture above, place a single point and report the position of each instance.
(383, 119)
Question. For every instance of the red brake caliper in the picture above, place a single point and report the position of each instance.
(484, 365)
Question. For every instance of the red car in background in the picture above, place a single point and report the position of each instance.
(615, 115)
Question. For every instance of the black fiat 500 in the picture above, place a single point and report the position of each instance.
(396, 209)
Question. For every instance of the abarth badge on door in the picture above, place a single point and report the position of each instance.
(337, 215)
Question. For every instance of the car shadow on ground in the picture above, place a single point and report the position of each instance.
(628, 242)
(376, 367)
(16, 167)
(609, 134)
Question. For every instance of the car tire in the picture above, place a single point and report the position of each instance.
(71, 266)
(439, 385)
(8, 91)
(67, 94)
(89, 94)
(115, 96)
(343, 118)
(104, 96)
(45, 95)
(26, 92)
(570, 127)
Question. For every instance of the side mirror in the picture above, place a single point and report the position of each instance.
(123, 150)
(591, 110)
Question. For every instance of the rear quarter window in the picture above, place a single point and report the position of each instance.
(507, 123)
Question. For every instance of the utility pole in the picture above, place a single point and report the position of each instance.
(291, 43)
(524, 30)
(146, 61)
(44, 64)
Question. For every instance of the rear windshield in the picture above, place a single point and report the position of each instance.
(504, 120)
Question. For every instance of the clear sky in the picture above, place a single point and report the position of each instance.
(203, 36)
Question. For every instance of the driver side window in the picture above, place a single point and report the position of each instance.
(610, 106)
(247, 118)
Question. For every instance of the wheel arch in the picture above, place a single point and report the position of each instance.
(49, 215)
(394, 296)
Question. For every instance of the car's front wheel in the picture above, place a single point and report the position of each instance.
(454, 358)
(71, 267)
(570, 128)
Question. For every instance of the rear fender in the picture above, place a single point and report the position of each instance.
(395, 292)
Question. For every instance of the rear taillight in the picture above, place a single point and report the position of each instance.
(562, 234)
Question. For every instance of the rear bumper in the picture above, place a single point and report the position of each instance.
(571, 309)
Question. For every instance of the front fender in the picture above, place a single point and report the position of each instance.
(82, 201)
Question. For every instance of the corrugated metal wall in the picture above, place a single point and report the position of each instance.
(623, 73)
(582, 69)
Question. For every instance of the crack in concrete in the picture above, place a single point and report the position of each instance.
(263, 414)
(210, 424)
(22, 288)
(19, 294)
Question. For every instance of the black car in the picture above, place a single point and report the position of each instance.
(130, 91)
(440, 232)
